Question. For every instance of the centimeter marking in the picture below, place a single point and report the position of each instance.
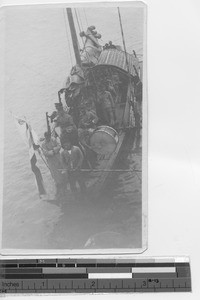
(94, 276)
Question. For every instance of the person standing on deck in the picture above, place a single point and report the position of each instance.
(72, 160)
(111, 89)
(106, 100)
(51, 149)
(66, 123)
(88, 123)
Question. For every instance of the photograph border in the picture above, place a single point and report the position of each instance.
(99, 252)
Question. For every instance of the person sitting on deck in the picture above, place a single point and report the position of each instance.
(87, 124)
(88, 118)
(72, 159)
(108, 107)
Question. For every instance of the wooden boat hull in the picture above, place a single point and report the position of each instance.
(98, 180)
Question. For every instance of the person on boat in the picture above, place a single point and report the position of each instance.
(63, 119)
(106, 46)
(66, 123)
(111, 46)
(111, 89)
(51, 149)
(72, 160)
(108, 107)
(88, 118)
(87, 125)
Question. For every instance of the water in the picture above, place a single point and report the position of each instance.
(37, 61)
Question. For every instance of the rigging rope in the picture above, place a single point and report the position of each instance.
(82, 28)
(65, 21)
(79, 15)
(122, 33)
(85, 16)
(79, 27)
(132, 92)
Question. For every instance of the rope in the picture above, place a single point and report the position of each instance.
(67, 34)
(79, 27)
(85, 16)
(79, 15)
(122, 33)
(77, 19)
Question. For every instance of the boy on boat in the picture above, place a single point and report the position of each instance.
(106, 101)
(66, 123)
(72, 160)
(88, 123)
(88, 118)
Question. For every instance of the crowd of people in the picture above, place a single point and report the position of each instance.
(69, 154)
(64, 155)
(109, 45)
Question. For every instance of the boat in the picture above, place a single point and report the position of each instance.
(113, 67)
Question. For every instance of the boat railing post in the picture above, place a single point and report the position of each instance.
(48, 126)
(59, 97)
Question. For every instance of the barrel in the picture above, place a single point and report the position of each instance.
(104, 140)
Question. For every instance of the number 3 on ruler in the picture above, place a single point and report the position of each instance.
(144, 283)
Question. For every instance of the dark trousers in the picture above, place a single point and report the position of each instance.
(74, 177)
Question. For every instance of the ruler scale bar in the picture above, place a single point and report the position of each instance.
(109, 270)
(154, 270)
(63, 270)
(20, 263)
(8, 266)
(20, 271)
(66, 265)
(44, 276)
(94, 275)
(27, 265)
(154, 275)
(109, 275)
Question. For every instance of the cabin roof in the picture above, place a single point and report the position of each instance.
(117, 58)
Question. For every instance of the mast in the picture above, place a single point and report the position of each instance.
(74, 36)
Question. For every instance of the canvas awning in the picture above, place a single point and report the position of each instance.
(117, 58)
